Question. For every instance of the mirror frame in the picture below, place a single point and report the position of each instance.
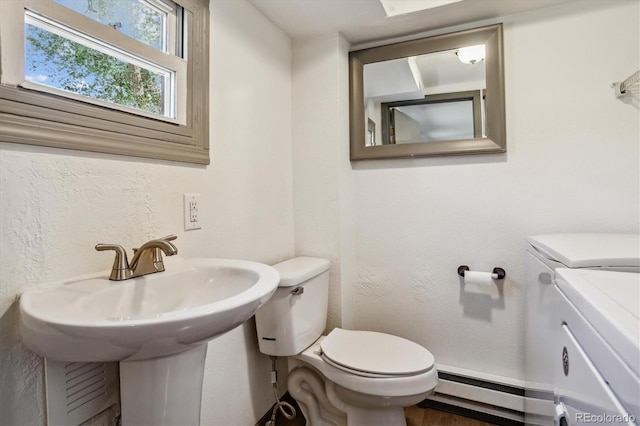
(495, 142)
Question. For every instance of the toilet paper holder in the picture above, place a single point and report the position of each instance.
(497, 273)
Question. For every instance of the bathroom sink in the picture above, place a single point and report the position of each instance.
(93, 319)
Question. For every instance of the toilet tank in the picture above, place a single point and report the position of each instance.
(296, 315)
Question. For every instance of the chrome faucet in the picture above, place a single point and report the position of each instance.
(146, 260)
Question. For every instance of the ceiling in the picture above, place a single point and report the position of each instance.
(363, 21)
(417, 76)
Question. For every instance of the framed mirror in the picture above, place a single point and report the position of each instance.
(434, 96)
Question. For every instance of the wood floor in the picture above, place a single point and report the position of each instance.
(415, 415)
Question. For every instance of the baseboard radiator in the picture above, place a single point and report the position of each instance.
(492, 399)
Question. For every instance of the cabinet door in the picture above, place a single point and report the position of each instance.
(583, 395)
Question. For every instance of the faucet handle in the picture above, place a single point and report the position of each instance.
(120, 270)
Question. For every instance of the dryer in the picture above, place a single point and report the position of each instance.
(596, 356)
(545, 253)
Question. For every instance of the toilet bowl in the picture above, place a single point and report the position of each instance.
(347, 377)
(369, 390)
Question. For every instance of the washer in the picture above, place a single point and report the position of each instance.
(545, 253)
(597, 352)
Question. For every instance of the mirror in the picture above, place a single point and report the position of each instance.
(428, 97)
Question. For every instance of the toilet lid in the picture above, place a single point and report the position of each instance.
(377, 353)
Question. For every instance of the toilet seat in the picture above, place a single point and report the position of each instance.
(367, 383)
(375, 355)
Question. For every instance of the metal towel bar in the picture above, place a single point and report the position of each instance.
(621, 87)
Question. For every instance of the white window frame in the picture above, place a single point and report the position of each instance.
(36, 114)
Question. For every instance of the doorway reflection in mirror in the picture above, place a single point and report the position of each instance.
(426, 98)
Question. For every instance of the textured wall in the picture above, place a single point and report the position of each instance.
(403, 226)
(572, 165)
(323, 187)
(55, 205)
(397, 230)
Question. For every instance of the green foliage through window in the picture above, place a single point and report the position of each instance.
(137, 19)
(55, 61)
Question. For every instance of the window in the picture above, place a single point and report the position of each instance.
(116, 76)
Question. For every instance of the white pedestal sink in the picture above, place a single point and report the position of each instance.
(156, 325)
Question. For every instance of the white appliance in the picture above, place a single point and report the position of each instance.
(545, 253)
(596, 358)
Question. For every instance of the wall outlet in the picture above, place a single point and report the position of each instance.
(192, 217)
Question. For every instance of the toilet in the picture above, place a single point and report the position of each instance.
(346, 377)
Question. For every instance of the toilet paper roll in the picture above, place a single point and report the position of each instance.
(478, 278)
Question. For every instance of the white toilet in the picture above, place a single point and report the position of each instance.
(347, 377)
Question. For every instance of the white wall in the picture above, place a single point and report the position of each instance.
(55, 205)
(323, 187)
(394, 230)
(572, 165)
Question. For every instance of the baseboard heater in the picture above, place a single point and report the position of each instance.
(491, 399)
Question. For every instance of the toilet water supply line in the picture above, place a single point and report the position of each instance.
(279, 404)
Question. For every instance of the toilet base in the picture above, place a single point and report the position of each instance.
(307, 387)
(368, 410)
(324, 403)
